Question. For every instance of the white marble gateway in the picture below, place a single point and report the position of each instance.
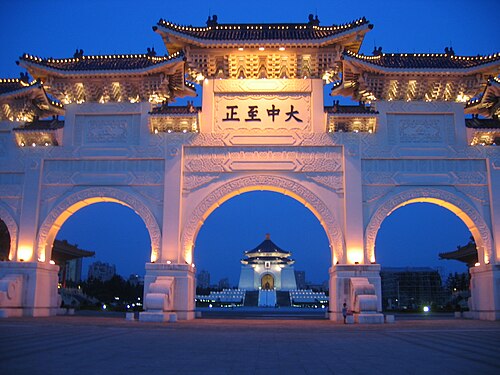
(263, 125)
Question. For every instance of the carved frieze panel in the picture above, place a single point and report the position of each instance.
(332, 181)
(195, 181)
(428, 171)
(107, 130)
(218, 159)
(420, 129)
(262, 85)
(121, 172)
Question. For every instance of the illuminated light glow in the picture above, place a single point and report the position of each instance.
(169, 262)
(282, 48)
(261, 48)
(240, 49)
(355, 255)
(155, 130)
(52, 262)
(477, 264)
(426, 309)
(25, 254)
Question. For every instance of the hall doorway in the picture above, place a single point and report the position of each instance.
(267, 282)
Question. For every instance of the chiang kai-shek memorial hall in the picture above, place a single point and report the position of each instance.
(85, 129)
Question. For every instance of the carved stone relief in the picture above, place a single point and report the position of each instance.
(106, 130)
(217, 160)
(420, 129)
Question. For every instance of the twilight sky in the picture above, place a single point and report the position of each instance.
(411, 236)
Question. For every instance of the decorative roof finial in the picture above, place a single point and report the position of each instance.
(268, 236)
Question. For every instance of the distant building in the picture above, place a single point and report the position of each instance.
(300, 279)
(203, 279)
(101, 271)
(411, 287)
(267, 267)
(69, 259)
(224, 283)
(135, 280)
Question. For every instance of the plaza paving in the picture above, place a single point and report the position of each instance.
(111, 345)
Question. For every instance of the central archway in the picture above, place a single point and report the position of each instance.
(74, 202)
(263, 182)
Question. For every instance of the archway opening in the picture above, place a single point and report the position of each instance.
(4, 241)
(223, 248)
(102, 249)
(408, 247)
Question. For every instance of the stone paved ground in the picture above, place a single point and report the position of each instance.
(96, 345)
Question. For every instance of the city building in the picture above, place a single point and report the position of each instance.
(300, 279)
(410, 288)
(267, 267)
(101, 271)
(135, 280)
(203, 279)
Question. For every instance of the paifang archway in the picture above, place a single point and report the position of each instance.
(263, 124)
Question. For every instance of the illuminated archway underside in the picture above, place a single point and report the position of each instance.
(270, 183)
(74, 202)
(469, 215)
(11, 224)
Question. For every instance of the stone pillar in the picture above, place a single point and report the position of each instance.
(485, 292)
(28, 221)
(172, 196)
(353, 203)
(184, 287)
(340, 292)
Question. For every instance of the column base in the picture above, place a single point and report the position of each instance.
(28, 289)
(184, 289)
(484, 302)
(157, 316)
(340, 280)
(369, 318)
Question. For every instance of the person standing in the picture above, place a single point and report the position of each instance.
(344, 312)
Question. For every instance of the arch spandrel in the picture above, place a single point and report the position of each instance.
(278, 184)
(454, 203)
(75, 201)
(12, 227)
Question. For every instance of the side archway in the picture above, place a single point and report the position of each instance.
(469, 215)
(74, 202)
(263, 182)
(12, 227)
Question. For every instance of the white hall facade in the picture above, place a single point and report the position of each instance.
(263, 125)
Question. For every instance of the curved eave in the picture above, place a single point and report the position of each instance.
(367, 65)
(21, 91)
(35, 68)
(231, 43)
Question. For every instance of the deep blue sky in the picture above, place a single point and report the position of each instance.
(411, 236)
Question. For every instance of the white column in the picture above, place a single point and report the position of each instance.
(28, 220)
(353, 205)
(172, 201)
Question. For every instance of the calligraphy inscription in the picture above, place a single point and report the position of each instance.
(262, 112)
